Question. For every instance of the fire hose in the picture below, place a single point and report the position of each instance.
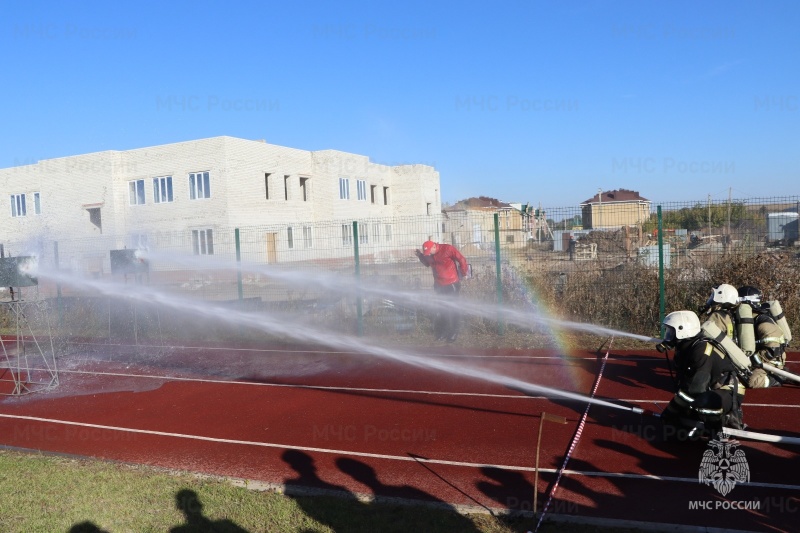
(779, 372)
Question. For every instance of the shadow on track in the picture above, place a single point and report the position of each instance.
(510, 489)
(367, 476)
(642, 470)
(400, 502)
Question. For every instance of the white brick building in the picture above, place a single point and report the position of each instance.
(197, 187)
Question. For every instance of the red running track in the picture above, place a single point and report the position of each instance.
(353, 422)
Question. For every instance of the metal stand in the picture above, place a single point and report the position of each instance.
(551, 418)
(27, 365)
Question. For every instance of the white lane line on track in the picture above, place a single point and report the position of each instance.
(376, 455)
(783, 405)
(670, 478)
(300, 386)
(562, 357)
(367, 389)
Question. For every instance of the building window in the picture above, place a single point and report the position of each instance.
(388, 232)
(344, 189)
(376, 232)
(138, 241)
(266, 184)
(136, 190)
(347, 234)
(363, 233)
(290, 237)
(362, 190)
(307, 237)
(162, 189)
(304, 189)
(286, 187)
(203, 242)
(386, 196)
(199, 185)
(37, 204)
(18, 205)
(372, 193)
(428, 208)
(96, 217)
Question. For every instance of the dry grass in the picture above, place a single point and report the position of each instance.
(615, 292)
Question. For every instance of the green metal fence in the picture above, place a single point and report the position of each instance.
(620, 265)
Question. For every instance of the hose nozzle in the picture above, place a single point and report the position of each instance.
(646, 412)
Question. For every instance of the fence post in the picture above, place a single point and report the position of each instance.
(359, 314)
(662, 304)
(500, 324)
(238, 264)
(59, 303)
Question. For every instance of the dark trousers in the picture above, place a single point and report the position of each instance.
(447, 321)
(713, 399)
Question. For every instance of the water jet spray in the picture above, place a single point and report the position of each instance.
(348, 285)
(275, 325)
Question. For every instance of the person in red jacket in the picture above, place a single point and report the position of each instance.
(449, 267)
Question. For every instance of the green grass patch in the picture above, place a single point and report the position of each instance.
(47, 494)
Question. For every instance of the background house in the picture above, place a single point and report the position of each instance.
(614, 209)
(470, 222)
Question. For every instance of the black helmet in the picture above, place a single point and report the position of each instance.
(749, 294)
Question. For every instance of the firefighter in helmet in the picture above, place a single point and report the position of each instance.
(769, 344)
(720, 308)
(709, 394)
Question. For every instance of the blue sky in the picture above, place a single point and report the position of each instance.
(524, 101)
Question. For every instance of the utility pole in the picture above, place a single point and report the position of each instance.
(730, 192)
(537, 216)
(599, 205)
(544, 229)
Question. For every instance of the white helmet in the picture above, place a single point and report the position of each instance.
(680, 325)
(724, 295)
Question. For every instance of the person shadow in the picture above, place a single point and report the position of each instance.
(405, 494)
(307, 478)
(308, 491)
(189, 504)
(510, 489)
(86, 527)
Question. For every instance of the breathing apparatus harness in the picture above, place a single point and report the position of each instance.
(708, 309)
(677, 374)
(761, 314)
(740, 371)
(664, 347)
(665, 350)
(730, 381)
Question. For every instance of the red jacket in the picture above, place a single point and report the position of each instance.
(443, 263)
